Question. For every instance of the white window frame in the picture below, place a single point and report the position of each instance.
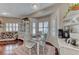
(11, 27)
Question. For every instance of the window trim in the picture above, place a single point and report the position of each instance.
(9, 27)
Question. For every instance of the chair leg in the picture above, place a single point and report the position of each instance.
(30, 51)
(43, 51)
(38, 48)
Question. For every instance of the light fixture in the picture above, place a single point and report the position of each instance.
(35, 6)
(4, 13)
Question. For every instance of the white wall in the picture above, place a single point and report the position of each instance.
(58, 18)
(53, 29)
(62, 9)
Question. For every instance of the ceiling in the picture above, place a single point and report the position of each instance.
(20, 9)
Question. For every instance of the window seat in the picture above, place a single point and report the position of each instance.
(7, 39)
(8, 36)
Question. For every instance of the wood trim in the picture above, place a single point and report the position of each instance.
(10, 41)
(56, 50)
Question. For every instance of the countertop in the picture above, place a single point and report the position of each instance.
(62, 43)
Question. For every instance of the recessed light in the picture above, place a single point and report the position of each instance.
(4, 13)
(35, 6)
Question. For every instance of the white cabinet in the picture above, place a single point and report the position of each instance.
(68, 51)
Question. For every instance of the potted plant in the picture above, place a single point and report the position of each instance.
(75, 6)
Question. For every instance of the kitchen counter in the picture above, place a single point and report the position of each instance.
(67, 49)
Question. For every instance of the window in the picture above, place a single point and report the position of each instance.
(40, 27)
(34, 28)
(43, 27)
(11, 26)
(53, 27)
